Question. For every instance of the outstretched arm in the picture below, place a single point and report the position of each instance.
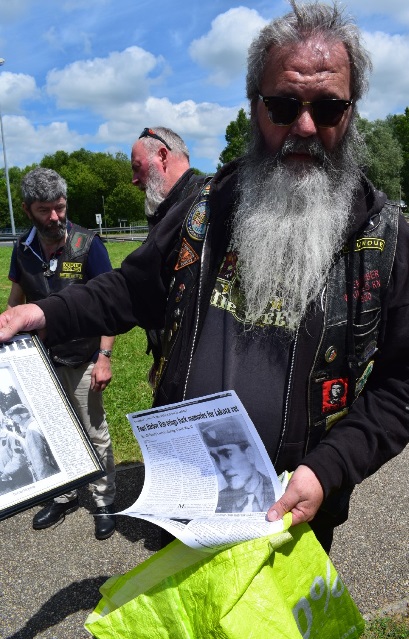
(23, 318)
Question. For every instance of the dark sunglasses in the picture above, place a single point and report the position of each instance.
(325, 113)
(150, 133)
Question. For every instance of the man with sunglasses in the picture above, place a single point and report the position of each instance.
(288, 273)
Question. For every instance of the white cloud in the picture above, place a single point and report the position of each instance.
(102, 83)
(42, 140)
(223, 50)
(204, 122)
(14, 88)
(389, 84)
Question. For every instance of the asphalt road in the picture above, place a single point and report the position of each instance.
(49, 579)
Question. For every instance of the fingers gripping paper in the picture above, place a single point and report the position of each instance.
(282, 586)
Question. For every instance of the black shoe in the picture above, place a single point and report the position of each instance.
(105, 522)
(52, 513)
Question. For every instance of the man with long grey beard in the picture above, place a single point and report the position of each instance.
(287, 276)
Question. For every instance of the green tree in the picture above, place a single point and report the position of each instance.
(126, 202)
(384, 156)
(92, 179)
(56, 161)
(237, 136)
(400, 128)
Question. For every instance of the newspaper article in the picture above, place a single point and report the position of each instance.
(43, 447)
(208, 478)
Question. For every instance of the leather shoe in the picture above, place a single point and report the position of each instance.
(105, 523)
(52, 513)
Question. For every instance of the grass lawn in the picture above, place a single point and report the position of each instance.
(128, 390)
(396, 627)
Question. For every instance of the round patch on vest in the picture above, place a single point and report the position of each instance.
(196, 221)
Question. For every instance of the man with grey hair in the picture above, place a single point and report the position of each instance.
(161, 168)
(56, 254)
(290, 272)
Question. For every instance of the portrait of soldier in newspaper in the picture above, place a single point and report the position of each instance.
(25, 456)
(247, 489)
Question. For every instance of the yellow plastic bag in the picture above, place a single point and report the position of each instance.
(281, 586)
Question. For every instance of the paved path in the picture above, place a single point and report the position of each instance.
(49, 579)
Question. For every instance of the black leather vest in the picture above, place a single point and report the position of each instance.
(355, 290)
(70, 270)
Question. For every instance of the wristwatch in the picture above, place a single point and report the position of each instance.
(105, 352)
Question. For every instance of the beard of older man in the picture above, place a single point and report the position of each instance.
(291, 220)
(155, 191)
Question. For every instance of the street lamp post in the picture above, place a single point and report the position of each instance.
(6, 170)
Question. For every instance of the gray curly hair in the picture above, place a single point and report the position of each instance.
(43, 185)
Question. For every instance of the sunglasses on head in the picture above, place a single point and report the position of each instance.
(325, 113)
(150, 133)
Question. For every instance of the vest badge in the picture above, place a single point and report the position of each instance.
(363, 379)
(196, 221)
(72, 270)
(334, 394)
(365, 243)
(187, 256)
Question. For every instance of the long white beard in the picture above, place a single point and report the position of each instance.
(288, 226)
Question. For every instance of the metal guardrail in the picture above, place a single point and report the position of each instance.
(114, 234)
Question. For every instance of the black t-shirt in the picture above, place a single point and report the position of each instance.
(251, 361)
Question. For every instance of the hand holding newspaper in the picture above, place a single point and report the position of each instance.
(208, 478)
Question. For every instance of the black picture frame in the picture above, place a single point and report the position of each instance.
(44, 448)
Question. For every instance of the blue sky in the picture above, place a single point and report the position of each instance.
(94, 73)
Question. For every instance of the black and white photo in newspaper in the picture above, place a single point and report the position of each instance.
(208, 478)
(44, 450)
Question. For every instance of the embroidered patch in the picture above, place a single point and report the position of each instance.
(196, 221)
(363, 243)
(330, 354)
(333, 419)
(186, 257)
(78, 240)
(71, 267)
(71, 276)
(334, 394)
(363, 379)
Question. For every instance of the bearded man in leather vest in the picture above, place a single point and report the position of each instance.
(53, 255)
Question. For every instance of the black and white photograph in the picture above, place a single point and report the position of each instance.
(246, 487)
(43, 446)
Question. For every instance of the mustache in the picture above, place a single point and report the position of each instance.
(312, 147)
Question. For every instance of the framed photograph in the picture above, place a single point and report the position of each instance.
(44, 449)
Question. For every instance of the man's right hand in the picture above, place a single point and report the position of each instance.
(23, 318)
